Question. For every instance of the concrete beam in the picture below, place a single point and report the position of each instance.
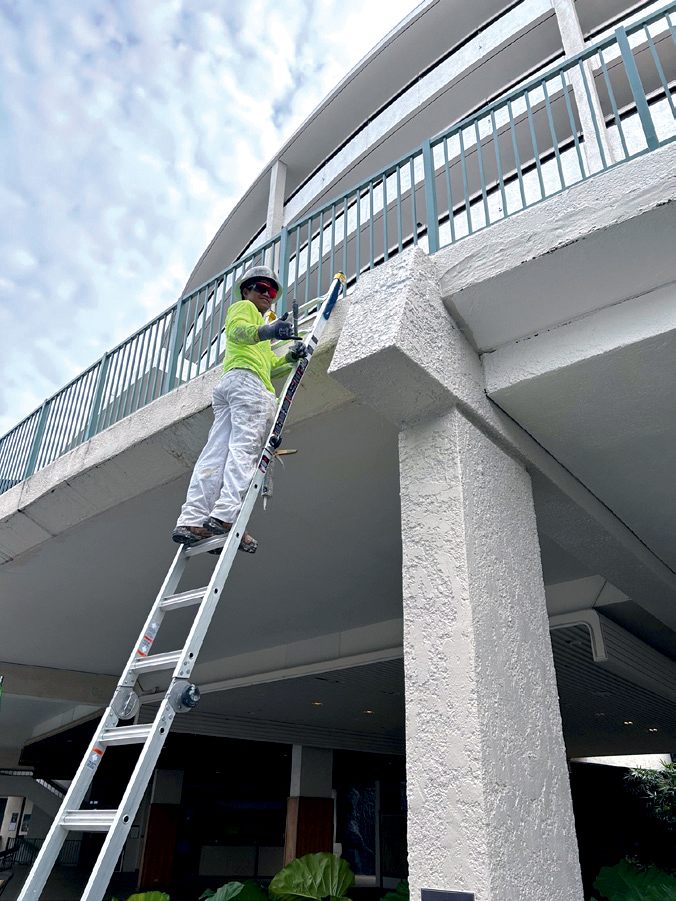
(623, 325)
(410, 360)
(324, 653)
(57, 684)
(576, 253)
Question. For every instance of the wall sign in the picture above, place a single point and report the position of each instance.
(429, 894)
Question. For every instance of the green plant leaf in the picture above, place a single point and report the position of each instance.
(226, 892)
(252, 891)
(321, 875)
(626, 882)
(401, 892)
(207, 893)
(147, 896)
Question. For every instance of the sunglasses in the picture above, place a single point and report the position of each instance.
(264, 288)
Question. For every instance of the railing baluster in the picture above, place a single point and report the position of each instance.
(498, 163)
(399, 236)
(590, 107)
(552, 131)
(308, 266)
(283, 268)
(465, 182)
(91, 427)
(371, 237)
(482, 177)
(571, 119)
(430, 197)
(132, 369)
(321, 253)
(37, 440)
(174, 347)
(536, 152)
(449, 192)
(414, 213)
(333, 238)
(385, 218)
(611, 95)
(637, 90)
(660, 71)
(358, 235)
(517, 161)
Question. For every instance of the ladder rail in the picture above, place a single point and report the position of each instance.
(123, 818)
(51, 847)
(131, 800)
(152, 624)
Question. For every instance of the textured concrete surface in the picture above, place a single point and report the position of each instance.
(489, 804)
(488, 793)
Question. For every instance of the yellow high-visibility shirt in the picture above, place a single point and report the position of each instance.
(243, 350)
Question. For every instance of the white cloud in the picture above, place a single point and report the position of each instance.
(130, 130)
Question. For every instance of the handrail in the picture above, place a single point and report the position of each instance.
(533, 142)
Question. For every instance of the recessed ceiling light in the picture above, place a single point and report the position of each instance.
(317, 703)
(368, 711)
(628, 722)
(652, 729)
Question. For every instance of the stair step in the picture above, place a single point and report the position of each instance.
(126, 735)
(184, 599)
(88, 820)
(157, 662)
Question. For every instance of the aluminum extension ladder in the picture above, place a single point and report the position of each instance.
(181, 695)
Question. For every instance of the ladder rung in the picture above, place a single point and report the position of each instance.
(209, 544)
(157, 662)
(185, 599)
(126, 735)
(88, 820)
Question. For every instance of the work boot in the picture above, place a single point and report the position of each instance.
(214, 526)
(190, 535)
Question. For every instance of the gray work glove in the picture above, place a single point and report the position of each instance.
(296, 352)
(280, 328)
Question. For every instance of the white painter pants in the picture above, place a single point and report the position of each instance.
(243, 415)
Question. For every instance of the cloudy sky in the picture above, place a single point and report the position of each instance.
(129, 130)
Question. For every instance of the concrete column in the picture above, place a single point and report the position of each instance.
(573, 43)
(488, 793)
(275, 216)
(309, 812)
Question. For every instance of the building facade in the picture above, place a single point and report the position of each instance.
(485, 477)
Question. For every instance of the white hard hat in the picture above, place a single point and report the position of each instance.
(257, 272)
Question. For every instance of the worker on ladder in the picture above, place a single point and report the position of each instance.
(244, 405)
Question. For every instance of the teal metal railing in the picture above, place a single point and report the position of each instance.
(538, 140)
